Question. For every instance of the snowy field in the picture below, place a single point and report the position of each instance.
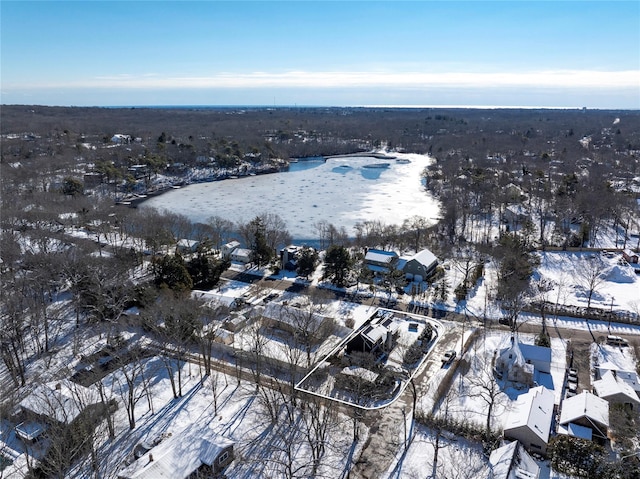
(340, 191)
(617, 287)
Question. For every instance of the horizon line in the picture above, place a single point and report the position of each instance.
(363, 106)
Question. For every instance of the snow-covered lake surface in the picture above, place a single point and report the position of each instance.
(341, 191)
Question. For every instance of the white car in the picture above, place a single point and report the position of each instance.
(449, 356)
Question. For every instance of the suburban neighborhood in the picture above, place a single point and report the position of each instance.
(496, 338)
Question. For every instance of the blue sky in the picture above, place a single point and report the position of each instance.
(334, 53)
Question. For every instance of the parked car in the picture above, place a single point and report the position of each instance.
(270, 297)
(617, 341)
(449, 356)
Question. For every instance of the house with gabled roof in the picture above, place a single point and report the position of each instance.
(422, 264)
(586, 410)
(520, 362)
(58, 403)
(616, 391)
(512, 461)
(512, 365)
(529, 420)
(630, 257)
(194, 450)
(380, 261)
(228, 248)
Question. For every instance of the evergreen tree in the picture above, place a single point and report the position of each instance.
(171, 272)
(307, 262)
(337, 264)
(261, 252)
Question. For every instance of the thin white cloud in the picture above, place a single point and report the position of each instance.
(340, 79)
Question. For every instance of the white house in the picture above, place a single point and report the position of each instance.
(511, 365)
(586, 410)
(512, 461)
(61, 401)
(529, 420)
(228, 248)
(520, 362)
(196, 449)
(56, 402)
(615, 390)
(241, 255)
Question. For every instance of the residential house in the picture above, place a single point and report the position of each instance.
(521, 362)
(59, 403)
(514, 216)
(92, 179)
(192, 451)
(539, 356)
(187, 246)
(120, 138)
(616, 391)
(241, 255)
(512, 461)
(380, 261)
(529, 420)
(420, 266)
(630, 257)
(631, 378)
(296, 320)
(586, 410)
(376, 335)
(228, 248)
(289, 257)
(512, 366)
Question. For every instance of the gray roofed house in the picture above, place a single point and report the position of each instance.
(61, 401)
(421, 264)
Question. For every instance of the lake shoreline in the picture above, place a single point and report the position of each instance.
(135, 200)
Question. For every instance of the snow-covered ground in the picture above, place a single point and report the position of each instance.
(617, 286)
(307, 196)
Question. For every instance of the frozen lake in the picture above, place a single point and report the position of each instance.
(341, 191)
